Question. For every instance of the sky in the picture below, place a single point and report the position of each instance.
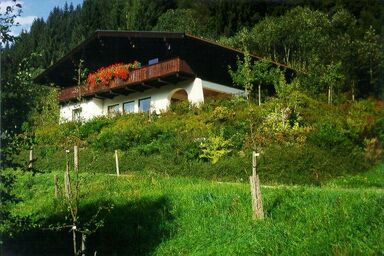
(32, 9)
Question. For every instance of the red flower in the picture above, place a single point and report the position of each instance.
(105, 75)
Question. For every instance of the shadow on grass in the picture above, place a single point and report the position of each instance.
(135, 228)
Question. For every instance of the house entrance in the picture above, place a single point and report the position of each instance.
(178, 95)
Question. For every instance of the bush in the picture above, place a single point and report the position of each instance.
(308, 164)
(94, 126)
(215, 147)
(330, 137)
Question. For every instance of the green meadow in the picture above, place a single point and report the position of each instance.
(156, 214)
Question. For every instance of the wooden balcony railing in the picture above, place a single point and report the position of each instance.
(139, 76)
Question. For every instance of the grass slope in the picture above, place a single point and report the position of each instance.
(162, 215)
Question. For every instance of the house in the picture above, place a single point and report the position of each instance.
(169, 67)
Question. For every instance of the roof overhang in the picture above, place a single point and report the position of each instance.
(207, 59)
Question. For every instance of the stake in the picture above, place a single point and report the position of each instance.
(67, 181)
(257, 204)
(259, 89)
(353, 90)
(83, 239)
(30, 163)
(56, 182)
(76, 158)
(254, 163)
(117, 164)
(74, 239)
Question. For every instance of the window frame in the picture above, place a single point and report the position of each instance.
(142, 99)
(113, 106)
(133, 109)
(76, 114)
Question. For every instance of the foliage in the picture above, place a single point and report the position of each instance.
(260, 72)
(296, 133)
(46, 111)
(7, 20)
(186, 20)
(313, 43)
(94, 126)
(20, 95)
(371, 57)
(243, 76)
(215, 147)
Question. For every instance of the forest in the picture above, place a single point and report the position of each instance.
(185, 172)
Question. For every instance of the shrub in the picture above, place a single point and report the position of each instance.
(215, 147)
(331, 136)
(94, 126)
(308, 163)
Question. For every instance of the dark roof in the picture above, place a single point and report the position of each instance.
(207, 59)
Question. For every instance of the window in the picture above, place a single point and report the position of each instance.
(153, 61)
(76, 114)
(145, 104)
(113, 109)
(129, 107)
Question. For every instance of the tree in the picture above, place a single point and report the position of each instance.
(243, 76)
(7, 20)
(78, 224)
(19, 96)
(308, 41)
(10, 144)
(371, 57)
(331, 78)
(185, 20)
(260, 72)
(144, 14)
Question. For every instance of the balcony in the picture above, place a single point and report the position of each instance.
(166, 72)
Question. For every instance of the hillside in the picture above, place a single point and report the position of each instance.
(301, 141)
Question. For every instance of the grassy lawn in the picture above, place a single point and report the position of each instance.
(162, 215)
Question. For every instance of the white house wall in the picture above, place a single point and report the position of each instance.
(160, 99)
(89, 108)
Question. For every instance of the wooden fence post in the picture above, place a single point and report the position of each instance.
(67, 181)
(254, 163)
(83, 239)
(56, 184)
(257, 203)
(117, 164)
(76, 158)
(30, 162)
